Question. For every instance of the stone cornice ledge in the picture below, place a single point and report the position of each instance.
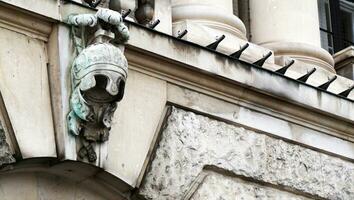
(192, 64)
(47, 8)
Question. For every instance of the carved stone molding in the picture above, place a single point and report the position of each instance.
(98, 76)
(5, 153)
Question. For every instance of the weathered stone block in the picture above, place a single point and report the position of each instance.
(5, 153)
(219, 186)
(190, 142)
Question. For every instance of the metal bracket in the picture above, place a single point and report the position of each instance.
(346, 93)
(154, 24)
(285, 68)
(328, 83)
(182, 34)
(307, 75)
(215, 44)
(238, 53)
(261, 61)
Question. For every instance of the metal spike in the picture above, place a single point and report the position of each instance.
(261, 61)
(215, 44)
(238, 53)
(325, 85)
(346, 93)
(153, 25)
(182, 34)
(306, 76)
(126, 13)
(285, 68)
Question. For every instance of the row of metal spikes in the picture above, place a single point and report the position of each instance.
(236, 55)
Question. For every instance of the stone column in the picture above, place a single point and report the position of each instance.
(207, 20)
(213, 14)
(290, 28)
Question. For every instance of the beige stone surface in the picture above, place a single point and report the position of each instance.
(206, 21)
(216, 15)
(216, 186)
(163, 13)
(343, 55)
(25, 89)
(49, 8)
(10, 189)
(252, 116)
(191, 142)
(285, 20)
(173, 56)
(226, 5)
(289, 28)
(128, 4)
(344, 60)
(204, 35)
(41, 186)
(134, 125)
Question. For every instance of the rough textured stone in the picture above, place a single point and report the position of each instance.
(217, 186)
(5, 153)
(192, 141)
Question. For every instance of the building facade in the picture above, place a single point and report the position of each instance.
(176, 99)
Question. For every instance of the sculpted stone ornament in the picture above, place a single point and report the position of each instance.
(99, 73)
(5, 153)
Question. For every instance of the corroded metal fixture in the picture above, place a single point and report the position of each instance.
(238, 53)
(325, 85)
(261, 61)
(154, 24)
(145, 12)
(307, 75)
(126, 13)
(285, 68)
(98, 77)
(215, 44)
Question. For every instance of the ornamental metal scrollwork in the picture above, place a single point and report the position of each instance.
(98, 77)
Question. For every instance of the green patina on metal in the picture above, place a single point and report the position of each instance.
(98, 77)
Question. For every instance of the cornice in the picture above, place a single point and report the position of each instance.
(27, 23)
(47, 8)
(190, 65)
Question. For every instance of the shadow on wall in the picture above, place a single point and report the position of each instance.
(48, 178)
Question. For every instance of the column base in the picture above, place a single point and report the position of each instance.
(306, 53)
(209, 17)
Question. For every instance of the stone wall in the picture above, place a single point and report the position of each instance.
(190, 142)
(219, 186)
(36, 185)
(5, 153)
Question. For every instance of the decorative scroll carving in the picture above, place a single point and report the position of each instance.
(5, 153)
(99, 73)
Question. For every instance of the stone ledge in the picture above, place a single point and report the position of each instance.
(184, 62)
(345, 62)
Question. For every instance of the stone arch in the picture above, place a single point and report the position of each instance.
(50, 179)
